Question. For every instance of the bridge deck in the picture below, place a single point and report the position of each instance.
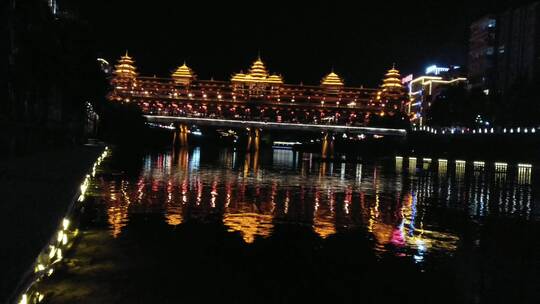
(229, 123)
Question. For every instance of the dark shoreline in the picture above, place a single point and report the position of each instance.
(37, 189)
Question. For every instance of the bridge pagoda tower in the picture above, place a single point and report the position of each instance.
(392, 92)
(332, 81)
(332, 84)
(124, 77)
(258, 70)
(183, 75)
(257, 80)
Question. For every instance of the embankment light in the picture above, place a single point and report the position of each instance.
(39, 267)
(24, 299)
(65, 223)
(55, 248)
(52, 252)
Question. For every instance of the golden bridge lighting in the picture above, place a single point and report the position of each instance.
(182, 94)
(332, 80)
(257, 74)
(125, 67)
(183, 75)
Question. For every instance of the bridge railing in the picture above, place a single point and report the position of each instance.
(342, 121)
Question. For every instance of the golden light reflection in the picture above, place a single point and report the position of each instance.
(395, 210)
(173, 214)
(249, 224)
(117, 218)
(323, 218)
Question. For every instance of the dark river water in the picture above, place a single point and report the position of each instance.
(279, 226)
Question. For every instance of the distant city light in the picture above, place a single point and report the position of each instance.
(435, 70)
(407, 79)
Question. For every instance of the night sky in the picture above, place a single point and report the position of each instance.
(302, 42)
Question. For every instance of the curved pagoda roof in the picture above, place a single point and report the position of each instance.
(258, 70)
(239, 77)
(332, 79)
(183, 74)
(125, 67)
(275, 79)
(392, 79)
(258, 74)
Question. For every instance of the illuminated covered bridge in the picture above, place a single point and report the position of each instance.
(256, 98)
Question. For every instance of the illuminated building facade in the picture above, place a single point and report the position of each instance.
(425, 89)
(257, 95)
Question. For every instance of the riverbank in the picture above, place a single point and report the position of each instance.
(36, 191)
(485, 147)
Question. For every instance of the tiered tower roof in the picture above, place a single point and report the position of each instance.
(183, 74)
(332, 80)
(391, 88)
(125, 67)
(258, 70)
(275, 79)
(392, 79)
(257, 74)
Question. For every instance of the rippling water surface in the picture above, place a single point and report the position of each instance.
(281, 226)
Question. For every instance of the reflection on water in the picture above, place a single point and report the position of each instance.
(252, 193)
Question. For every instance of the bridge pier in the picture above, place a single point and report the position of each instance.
(327, 148)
